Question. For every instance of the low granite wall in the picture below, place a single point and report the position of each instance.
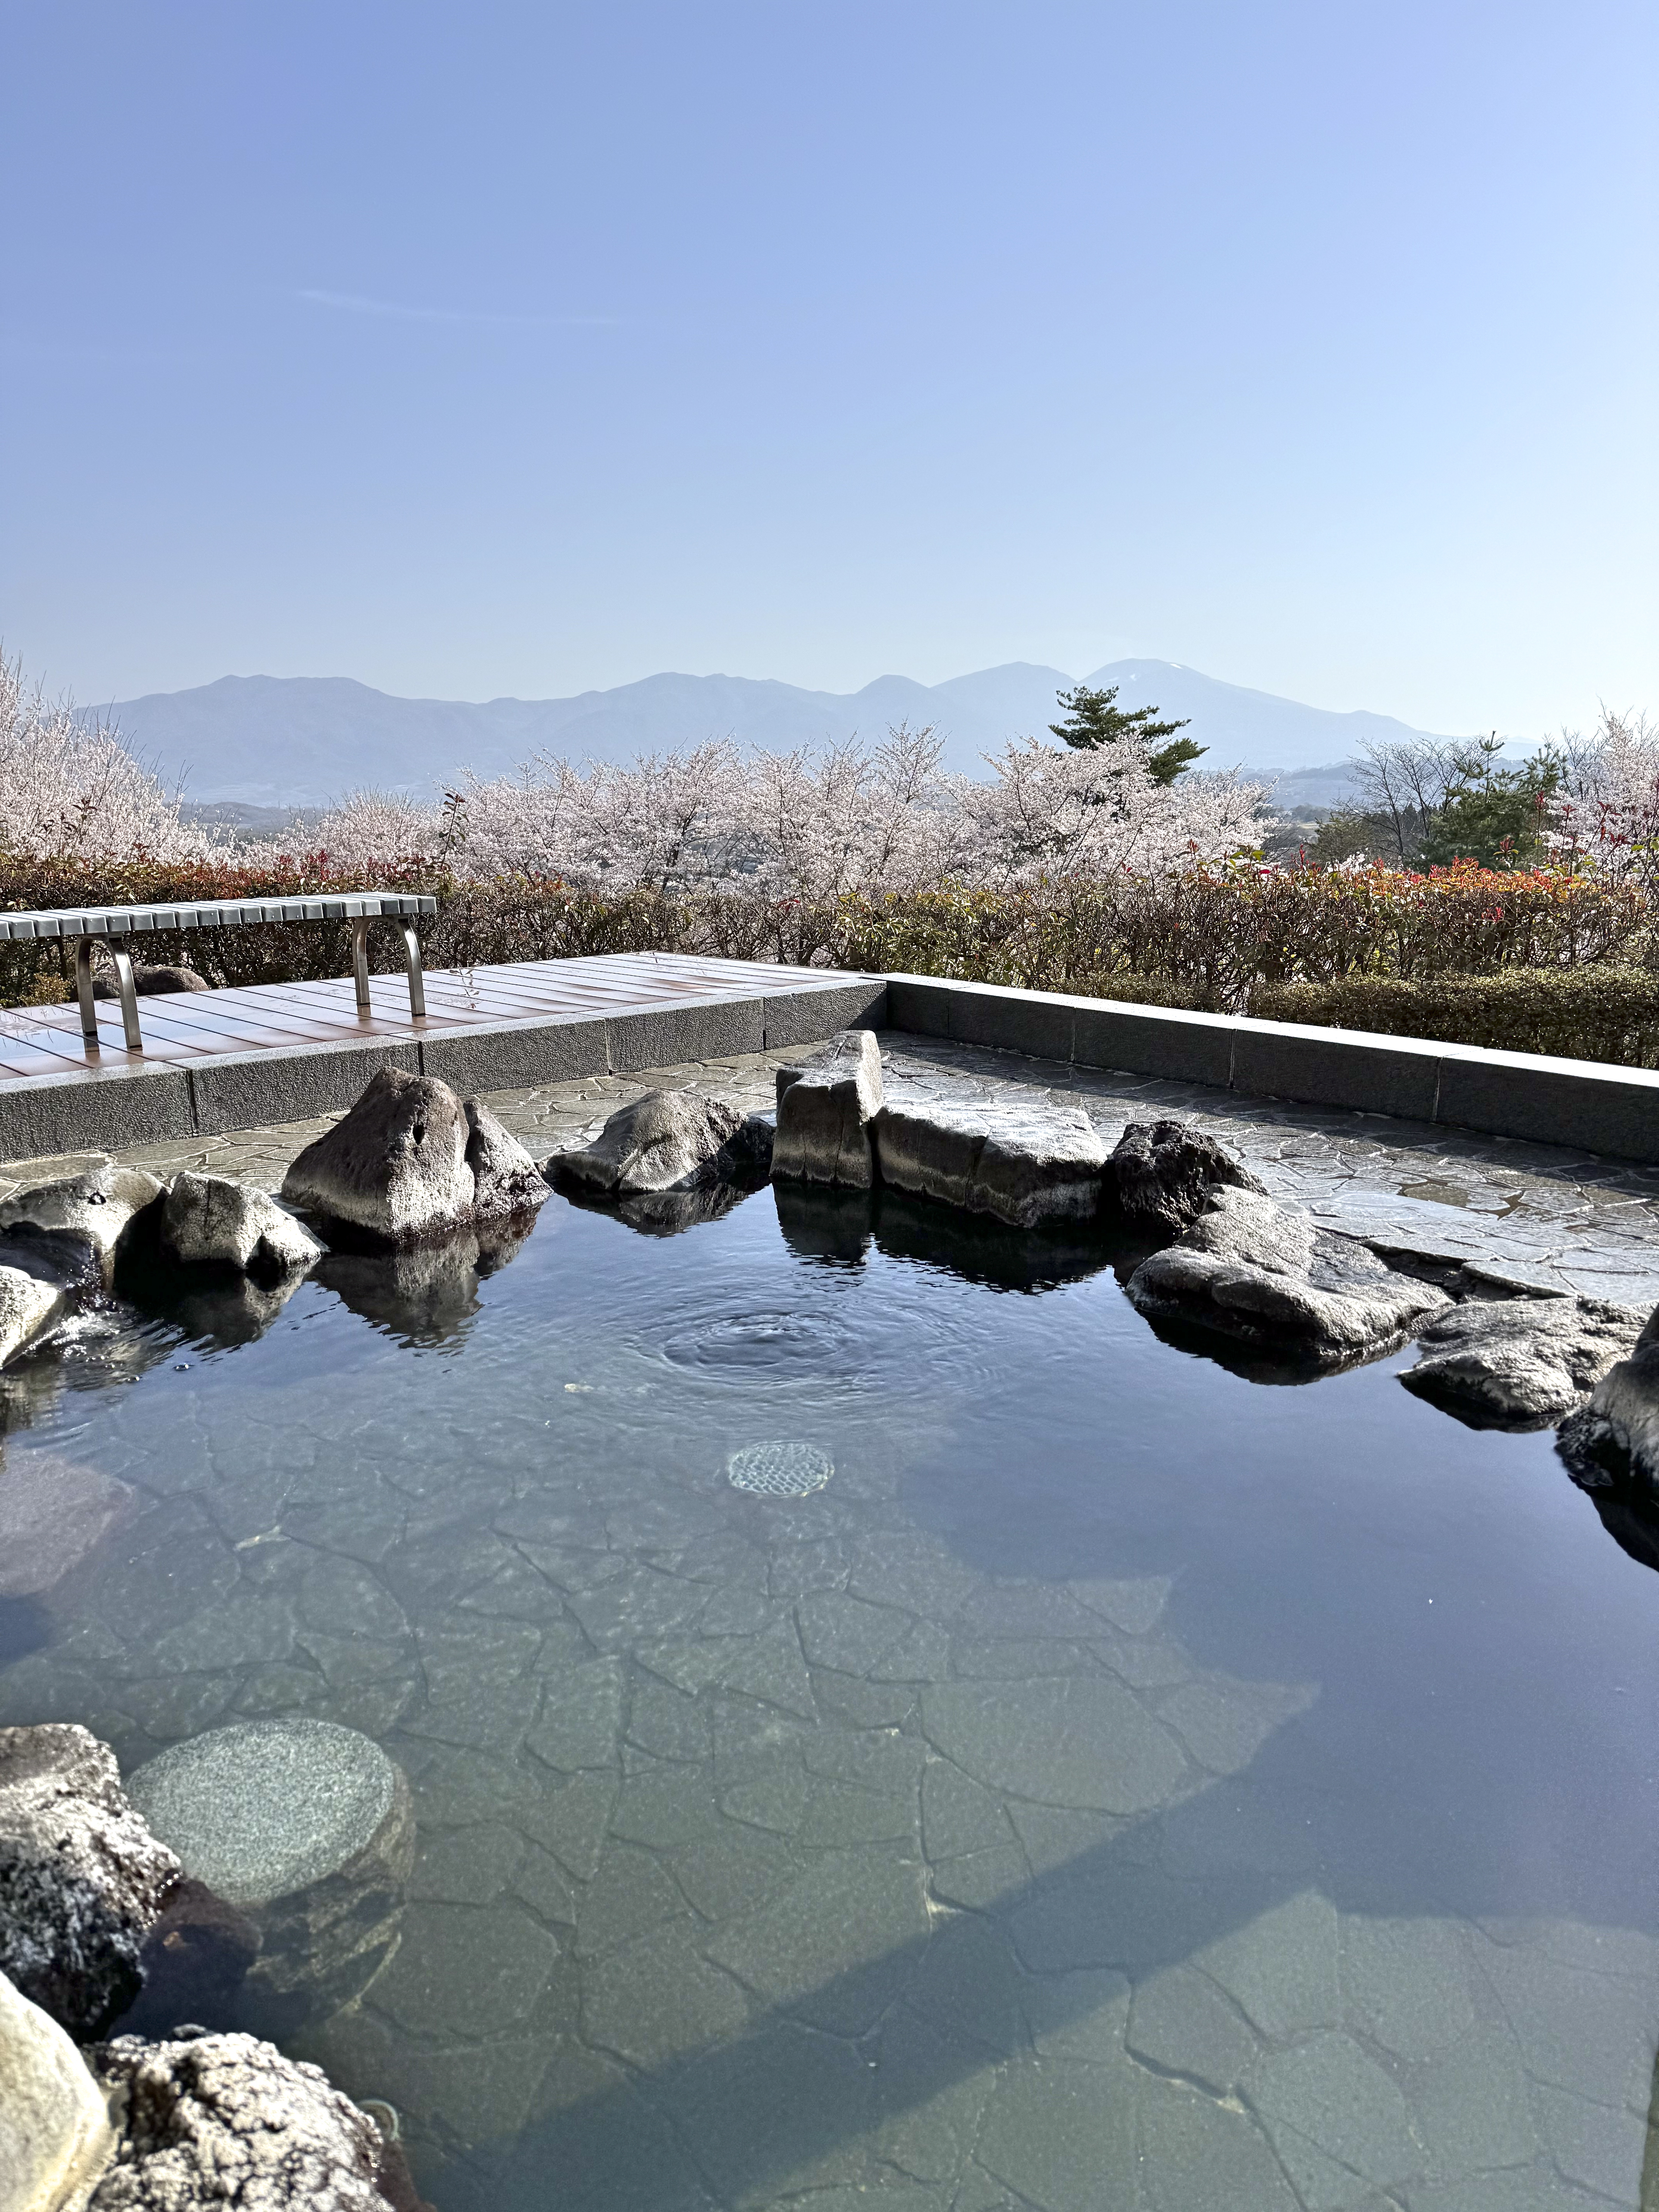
(1579, 1102)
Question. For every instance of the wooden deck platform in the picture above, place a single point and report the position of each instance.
(214, 1061)
(187, 1025)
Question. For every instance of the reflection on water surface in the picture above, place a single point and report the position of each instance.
(1120, 1785)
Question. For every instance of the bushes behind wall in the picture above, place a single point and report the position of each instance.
(1600, 1012)
(1531, 962)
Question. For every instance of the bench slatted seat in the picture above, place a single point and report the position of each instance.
(113, 927)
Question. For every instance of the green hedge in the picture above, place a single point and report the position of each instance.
(1595, 1013)
(1212, 945)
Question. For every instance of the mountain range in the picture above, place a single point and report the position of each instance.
(304, 740)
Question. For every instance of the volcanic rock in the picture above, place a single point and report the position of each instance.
(825, 1115)
(1023, 1165)
(666, 1140)
(152, 983)
(396, 2183)
(746, 1157)
(1520, 1363)
(44, 1272)
(505, 1179)
(214, 2121)
(63, 1257)
(1163, 1172)
(28, 1306)
(1248, 1268)
(54, 2136)
(395, 1165)
(101, 1205)
(1613, 1440)
(82, 1879)
(215, 1219)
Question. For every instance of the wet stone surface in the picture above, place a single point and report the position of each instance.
(1106, 1790)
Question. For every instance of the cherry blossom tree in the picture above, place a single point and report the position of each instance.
(68, 788)
(1604, 816)
(1097, 814)
(814, 824)
(370, 827)
(810, 825)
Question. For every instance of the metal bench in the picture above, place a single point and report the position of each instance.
(113, 927)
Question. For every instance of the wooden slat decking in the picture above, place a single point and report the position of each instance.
(185, 1026)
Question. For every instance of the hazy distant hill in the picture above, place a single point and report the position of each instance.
(300, 740)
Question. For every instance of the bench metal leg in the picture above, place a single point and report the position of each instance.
(417, 978)
(84, 948)
(360, 960)
(411, 962)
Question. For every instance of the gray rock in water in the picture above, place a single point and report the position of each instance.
(666, 1140)
(1025, 1166)
(82, 1879)
(28, 1306)
(52, 1511)
(307, 1828)
(263, 1810)
(1249, 1269)
(152, 983)
(1034, 1168)
(102, 1205)
(62, 1257)
(824, 1115)
(55, 2137)
(1614, 1440)
(221, 2121)
(1520, 1363)
(505, 1179)
(395, 1165)
(214, 1219)
(931, 1148)
(1163, 1172)
(746, 1157)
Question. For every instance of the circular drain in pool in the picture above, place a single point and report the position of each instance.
(779, 1469)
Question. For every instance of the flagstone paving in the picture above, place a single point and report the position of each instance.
(1553, 1218)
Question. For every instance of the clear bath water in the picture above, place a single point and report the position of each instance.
(1133, 1779)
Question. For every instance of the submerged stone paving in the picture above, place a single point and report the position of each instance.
(771, 1855)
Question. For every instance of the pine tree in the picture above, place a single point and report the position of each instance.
(1092, 722)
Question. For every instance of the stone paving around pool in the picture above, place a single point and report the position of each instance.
(1560, 1219)
(766, 1861)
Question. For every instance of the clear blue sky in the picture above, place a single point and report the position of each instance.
(482, 348)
